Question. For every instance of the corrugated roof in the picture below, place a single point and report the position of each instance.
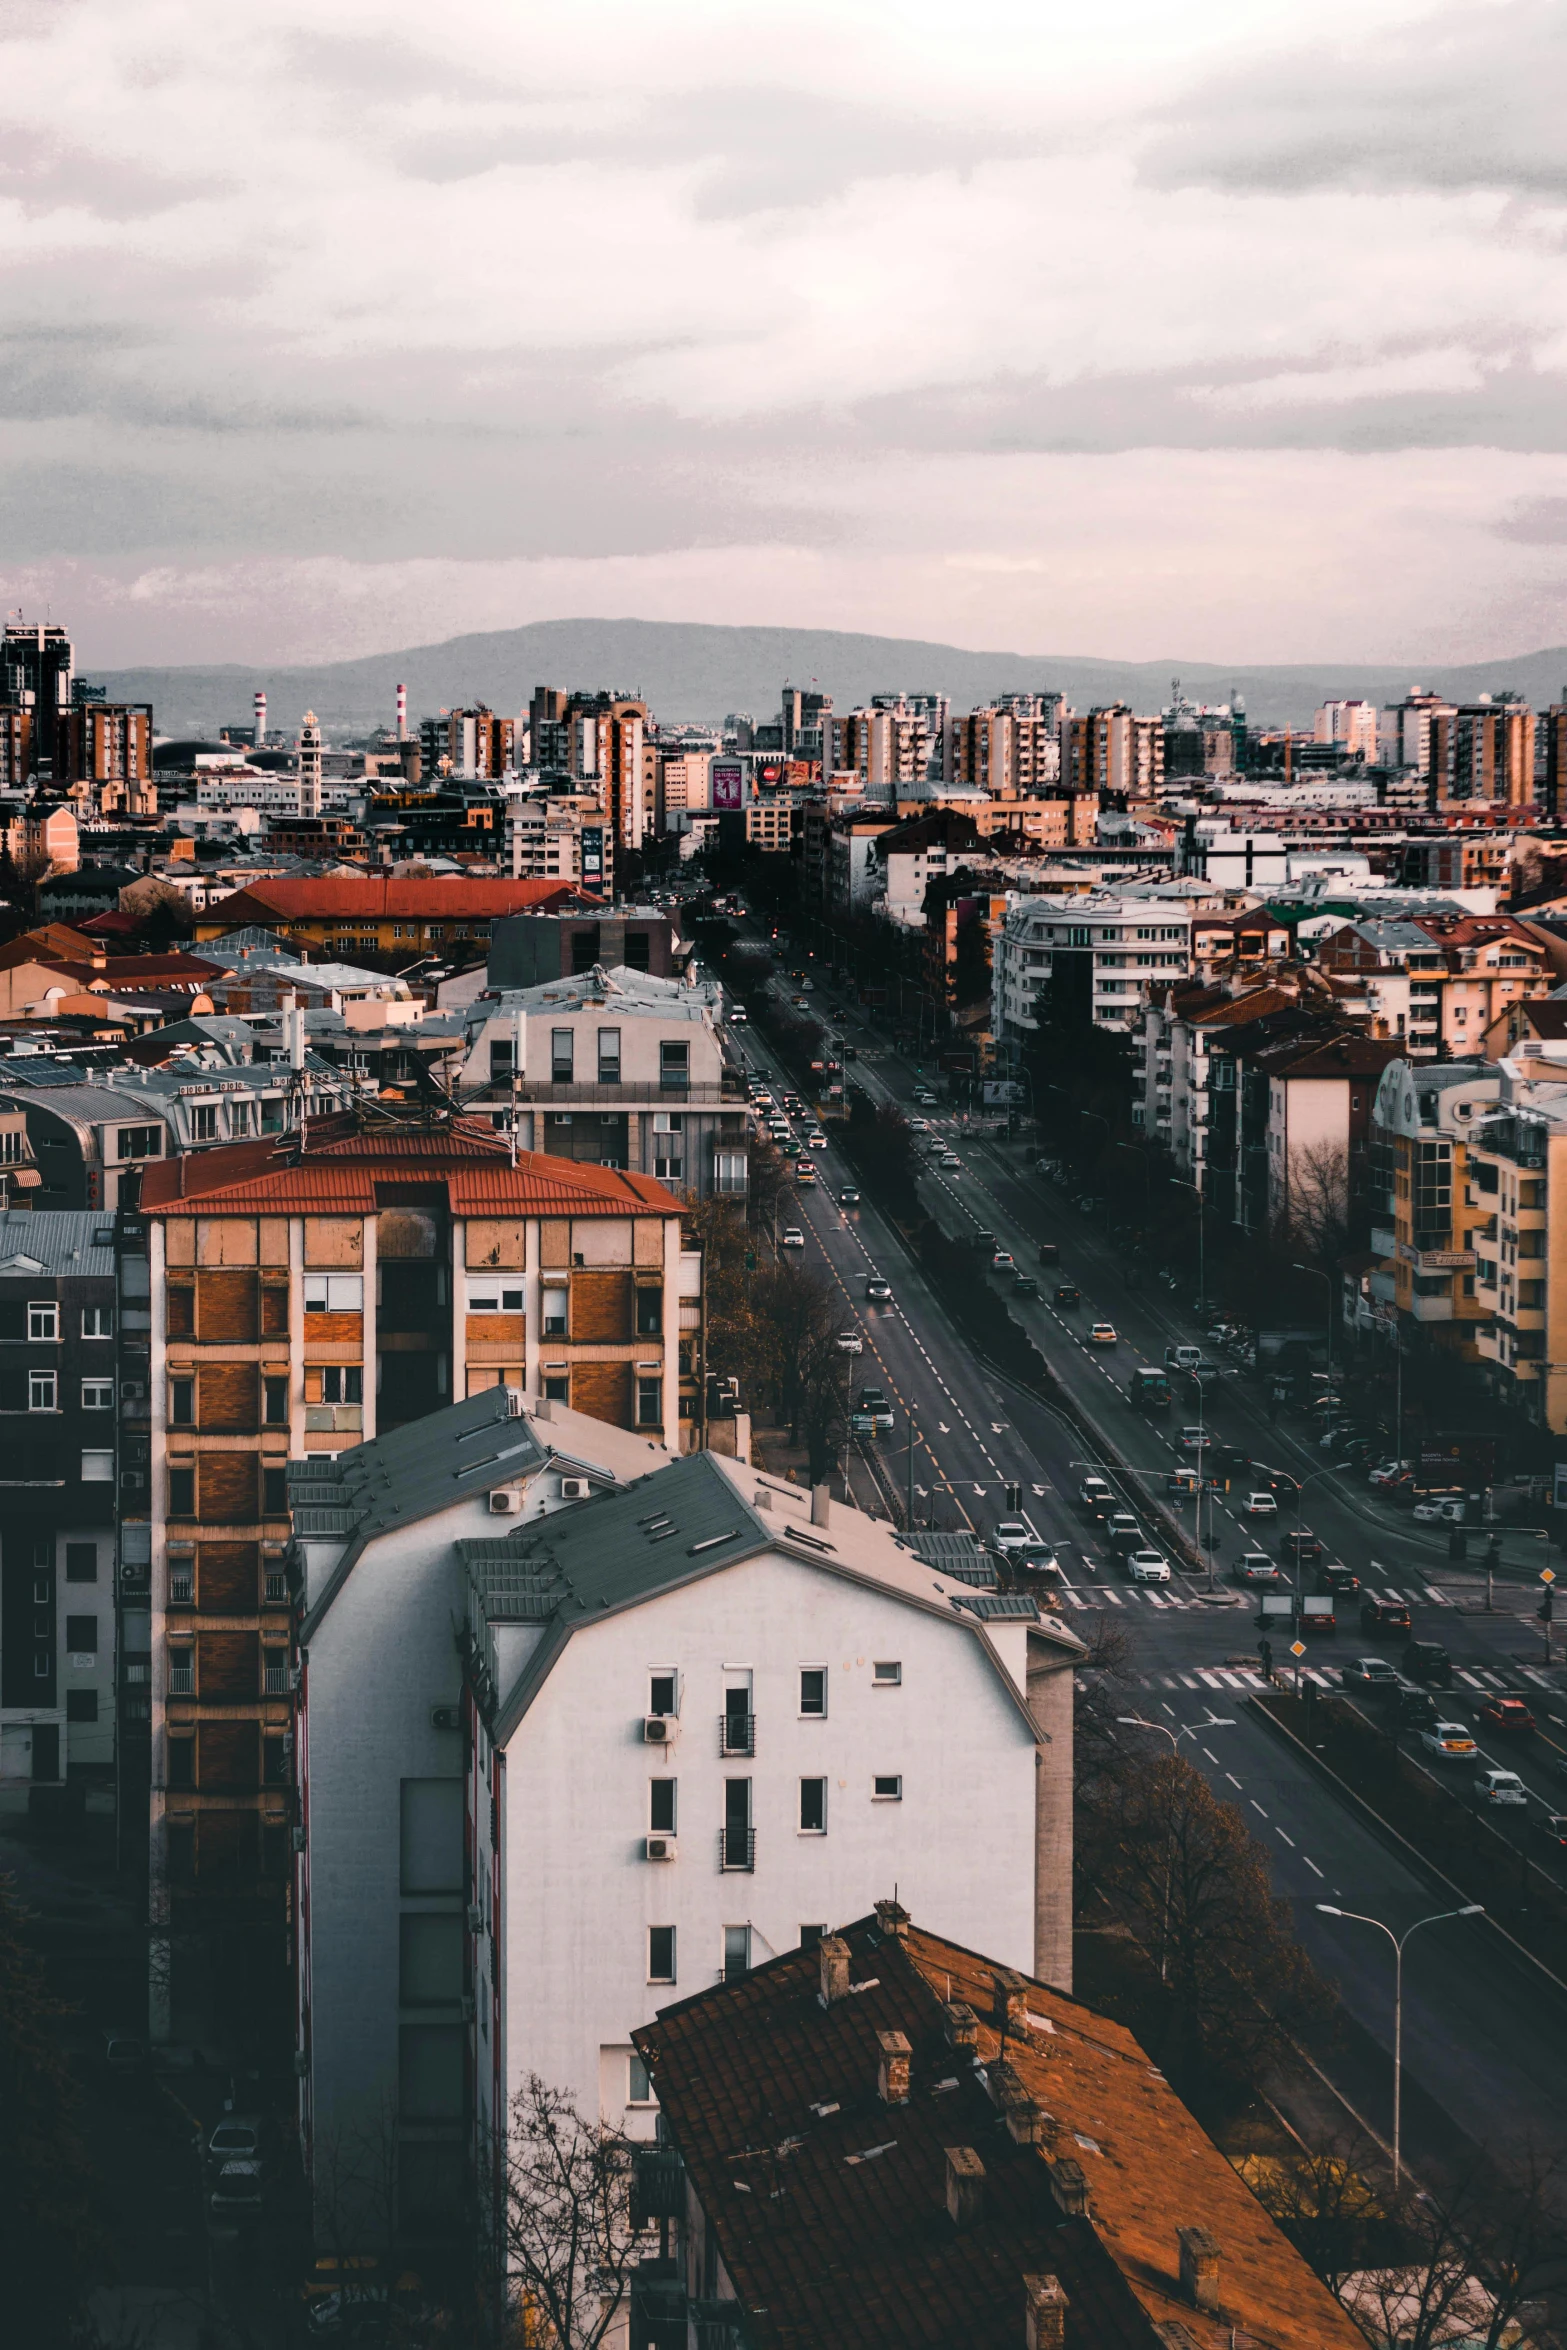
(60, 1241)
(337, 898)
(829, 2206)
(956, 1554)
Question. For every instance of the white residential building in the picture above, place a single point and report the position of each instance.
(583, 1728)
(1095, 956)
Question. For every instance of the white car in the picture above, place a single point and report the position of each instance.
(1439, 1513)
(1148, 1566)
(1450, 1741)
(1012, 1534)
(919, 1125)
(950, 1159)
(1261, 1505)
(850, 1343)
(1002, 1261)
(1195, 1440)
(816, 1140)
(1494, 1786)
(793, 1237)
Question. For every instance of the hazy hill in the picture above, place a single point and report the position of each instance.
(692, 671)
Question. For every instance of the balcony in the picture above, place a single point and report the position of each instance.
(737, 1734)
(277, 1591)
(182, 1586)
(566, 1095)
(737, 1849)
(182, 1678)
(334, 1418)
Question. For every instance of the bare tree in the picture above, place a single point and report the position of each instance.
(1317, 1205)
(569, 2243)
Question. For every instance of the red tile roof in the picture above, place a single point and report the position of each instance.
(333, 897)
(341, 1169)
(830, 2206)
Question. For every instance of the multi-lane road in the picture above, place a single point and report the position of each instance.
(1485, 2033)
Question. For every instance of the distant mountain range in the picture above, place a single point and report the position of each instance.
(686, 670)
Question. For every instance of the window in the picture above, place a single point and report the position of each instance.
(182, 1402)
(97, 1395)
(495, 1297)
(813, 1690)
(274, 1493)
(886, 1676)
(810, 1936)
(334, 1293)
(42, 1391)
(557, 1303)
(888, 1787)
(661, 1954)
(502, 1060)
(139, 1142)
(650, 1403)
(557, 1389)
(43, 1319)
(204, 1122)
(737, 1952)
(182, 1493)
(97, 1321)
(240, 1118)
(274, 1763)
(340, 1383)
(650, 1313)
(813, 1807)
(609, 1056)
(275, 1402)
(97, 1468)
(661, 1806)
(81, 1705)
(562, 1055)
(661, 1694)
(639, 2082)
(182, 1762)
(81, 1635)
(81, 1562)
(674, 1064)
(182, 1672)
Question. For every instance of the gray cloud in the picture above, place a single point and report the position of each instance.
(41, 171)
(1466, 98)
(1536, 522)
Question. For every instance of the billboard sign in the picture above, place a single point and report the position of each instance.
(1000, 1093)
(592, 856)
(728, 783)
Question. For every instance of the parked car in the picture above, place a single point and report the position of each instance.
(792, 1237)
(1501, 1787)
(1182, 1358)
(1067, 1294)
(124, 2053)
(237, 2195)
(1260, 1505)
(1369, 1672)
(1507, 1717)
(1148, 1566)
(850, 1343)
(238, 2137)
(878, 1291)
(1101, 1334)
(1447, 1512)
(1428, 1661)
(1449, 1741)
(1383, 1615)
(1388, 1472)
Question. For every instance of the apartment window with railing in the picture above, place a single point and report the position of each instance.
(182, 1672)
(42, 1391)
(274, 1673)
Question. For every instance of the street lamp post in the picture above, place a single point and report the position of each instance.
(1202, 1236)
(1471, 1909)
(1316, 1273)
(1187, 1730)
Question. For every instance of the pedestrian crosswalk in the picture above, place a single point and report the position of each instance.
(1090, 1595)
(1215, 1677)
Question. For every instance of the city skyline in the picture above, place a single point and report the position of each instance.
(1237, 339)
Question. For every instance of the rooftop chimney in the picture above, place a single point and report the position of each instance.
(1023, 2114)
(961, 2025)
(892, 2070)
(1044, 2314)
(965, 2187)
(821, 1505)
(1069, 2187)
(1010, 1993)
(833, 1952)
(1199, 2266)
(892, 1919)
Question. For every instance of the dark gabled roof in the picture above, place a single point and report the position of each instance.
(956, 1554)
(829, 2205)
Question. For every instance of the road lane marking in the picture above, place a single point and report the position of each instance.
(1255, 1805)
(1311, 1864)
(1278, 1831)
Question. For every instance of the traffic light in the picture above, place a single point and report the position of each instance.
(1543, 1611)
(1014, 1497)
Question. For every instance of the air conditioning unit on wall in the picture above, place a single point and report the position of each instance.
(505, 1501)
(575, 1489)
(661, 1848)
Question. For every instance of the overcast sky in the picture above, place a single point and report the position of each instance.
(1232, 330)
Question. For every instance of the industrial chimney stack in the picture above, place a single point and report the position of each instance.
(402, 713)
(261, 717)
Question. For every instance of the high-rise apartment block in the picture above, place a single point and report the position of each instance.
(1483, 751)
(1351, 726)
(1113, 752)
(468, 743)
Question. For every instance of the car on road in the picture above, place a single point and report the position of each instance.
(816, 1140)
(1195, 1440)
(1428, 1661)
(1036, 1558)
(924, 1096)
(1148, 1566)
(1383, 1615)
(1260, 1505)
(1439, 1513)
(878, 1291)
(1012, 1535)
(793, 1237)
(805, 1171)
(799, 1000)
(1182, 1358)
(950, 1160)
(873, 1405)
(1387, 1472)
(849, 1197)
(1025, 1286)
(1500, 1787)
(1256, 1568)
(790, 1147)
(237, 2137)
(1370, 1672)
(1450, 1741)
(1096, 1497)
(1507, 1717)
(919, 1125)
(1414, 1709)
(1067, 1294)
(1553, 1827)
(1123, 1531)
(1101, 1334)
(1303, 1547)
(1333, 1576)
(1003, 1261)
(850, 1343)
(237, 2195)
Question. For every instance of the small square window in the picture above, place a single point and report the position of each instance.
(813, 1691)
(182, 1402)
(887, 1787)
(182, 1493)
(661, 1694)
(98, 1468)
(81, 1705)
(97, 1321)
(97, 1395)
(810, 1936)
(43, 1319)
(661, 1954)
(557, 1390)
(81, 1562)
(813, 1807)
(886, 1676)
(81, 1635)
